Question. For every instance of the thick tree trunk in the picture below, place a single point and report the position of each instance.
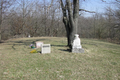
(70, 19)
(73, 18)
(0, 33)
(67, 27)
(0, 20)
(66, 22)
(0, 27)
(71, 22)
(76, 13)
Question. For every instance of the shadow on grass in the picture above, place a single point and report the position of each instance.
(1, 41)
(67, 50)
(59, 45)
(24, 43)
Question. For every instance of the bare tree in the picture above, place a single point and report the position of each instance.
(4, 4)
(24, 7)
(70, 18)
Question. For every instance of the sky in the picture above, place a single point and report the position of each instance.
(96, 6)
(91, 5)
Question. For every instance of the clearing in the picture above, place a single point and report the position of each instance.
(101, 60)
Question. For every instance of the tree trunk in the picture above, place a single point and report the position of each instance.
(0, 28)
(0, 19)
(71, 20)
(66, 22)
(0, 33)
(67, 27)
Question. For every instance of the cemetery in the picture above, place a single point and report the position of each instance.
(46, 48)
(100, 59)
(59, 40)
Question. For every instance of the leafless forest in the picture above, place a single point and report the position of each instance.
(20, 18)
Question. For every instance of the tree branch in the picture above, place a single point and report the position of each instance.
(63, 9)
(103, 1)
(117, 1)
(75, 8)
(62, 6)
(50, 4)
(86, 11)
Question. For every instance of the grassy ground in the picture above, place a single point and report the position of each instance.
(101, 61)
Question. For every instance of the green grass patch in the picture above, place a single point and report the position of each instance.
(101, 60)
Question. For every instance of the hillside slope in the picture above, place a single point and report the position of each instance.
(101, 60)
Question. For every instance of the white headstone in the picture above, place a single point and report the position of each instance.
(77, 47)
(45, 48)
(29, 36)
(38, 44)
(77, 42)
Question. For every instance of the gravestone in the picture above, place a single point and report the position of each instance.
(77, 47)
(38, 44)
(29, 36)
(45, 48)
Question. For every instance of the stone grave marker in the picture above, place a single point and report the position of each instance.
(77, 47)
(29, 36)
(38, 44)
(45, 48)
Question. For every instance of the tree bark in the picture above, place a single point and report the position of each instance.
(70, 20)
(0, 19)
(66, 22)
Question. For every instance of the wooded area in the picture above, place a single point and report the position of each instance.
(20, 18)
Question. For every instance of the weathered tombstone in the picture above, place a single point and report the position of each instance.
(77, 47)
(45, 48)
(38, 44)
(29, 36)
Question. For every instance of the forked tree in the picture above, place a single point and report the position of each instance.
(70, 12)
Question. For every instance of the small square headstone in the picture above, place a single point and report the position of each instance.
(38, 44)
(45, 48)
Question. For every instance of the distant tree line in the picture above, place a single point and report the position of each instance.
(32, 17)
(44, 18)
(102, 25)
